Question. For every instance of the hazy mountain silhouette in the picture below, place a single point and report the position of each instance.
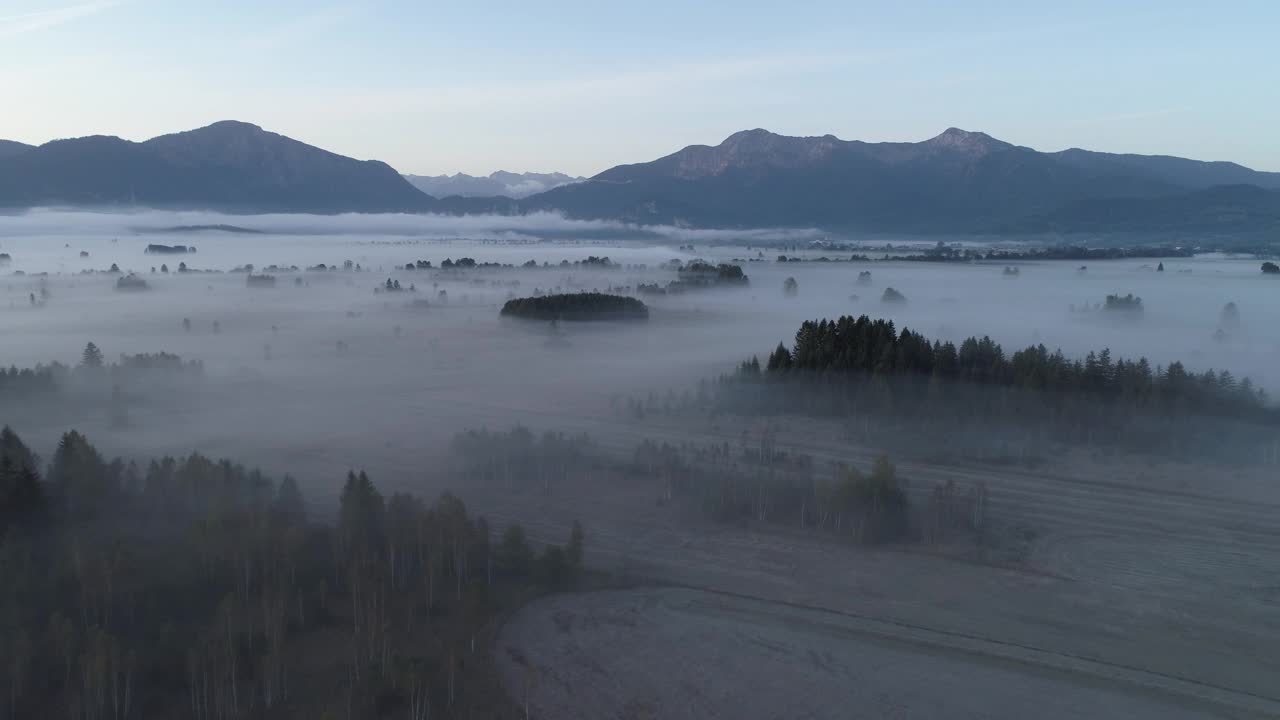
(1222, 209)
(956, 181)
(508, 184)
(228, 165)
(1190, 174)
(9, 148)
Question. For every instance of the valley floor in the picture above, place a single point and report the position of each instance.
(1157, 576)
(1128, 600)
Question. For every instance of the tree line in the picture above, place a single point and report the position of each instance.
(763, 483)
(94, 372)
(867, 368)
(189, 587)
(756, 481)
(519, 459)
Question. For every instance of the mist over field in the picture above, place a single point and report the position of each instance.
(817, 385)
(528, 226)
(330, 355)
(420, 366)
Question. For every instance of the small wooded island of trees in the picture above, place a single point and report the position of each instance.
(131, 283)
(260, 281)
(911, 385)
(893, 297)
(704, 273)
(577, 307)
(1129, 303)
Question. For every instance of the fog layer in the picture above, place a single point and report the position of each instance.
(326, 370)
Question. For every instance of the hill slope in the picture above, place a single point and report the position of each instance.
(9, 148)
(1228, 209)
(228, 165)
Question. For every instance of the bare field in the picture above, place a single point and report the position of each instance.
(678, 653)
(1156, 588)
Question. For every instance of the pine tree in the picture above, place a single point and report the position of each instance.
(779, 360)
(79, 477)
(13, 449)
(26, 503)
(91, 357)
(288, 503)
(360, 514)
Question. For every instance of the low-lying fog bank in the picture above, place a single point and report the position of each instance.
(332, 367)
(1000, 543)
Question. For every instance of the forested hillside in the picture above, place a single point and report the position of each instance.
(189, 587)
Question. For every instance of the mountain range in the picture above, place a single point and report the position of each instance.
(508, 184)
(958, 181)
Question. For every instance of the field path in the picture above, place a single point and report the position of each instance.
(686, 653)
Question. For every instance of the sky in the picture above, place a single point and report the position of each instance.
(578, 87)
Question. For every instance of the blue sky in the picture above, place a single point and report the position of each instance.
(435, 87)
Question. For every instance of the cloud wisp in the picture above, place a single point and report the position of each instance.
(635, 83)
(23, 23)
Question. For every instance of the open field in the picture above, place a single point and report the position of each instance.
(1142, 595)
(1162, 569)
(677, 653)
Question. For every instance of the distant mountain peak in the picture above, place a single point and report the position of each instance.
(499, 183)
(226, 165)
(759, 137)
(967, 140)
(744, 135)
(219, 133)
(752, 150)
(230, 125)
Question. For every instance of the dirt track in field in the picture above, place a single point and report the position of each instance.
(679, 653)
(1173, 592)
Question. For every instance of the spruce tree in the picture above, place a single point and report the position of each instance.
(91, 357)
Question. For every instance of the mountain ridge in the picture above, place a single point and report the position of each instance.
(227, 165)
(957, 181)
(9, 148)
